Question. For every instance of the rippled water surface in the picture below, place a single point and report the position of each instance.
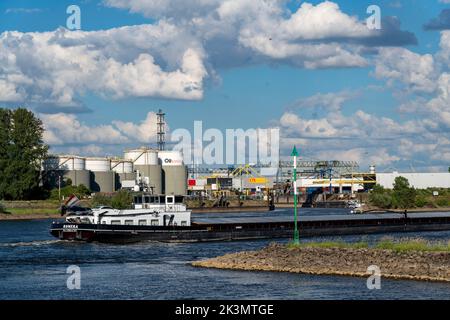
(33, 266)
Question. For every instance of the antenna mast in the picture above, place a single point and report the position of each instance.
(161, 130)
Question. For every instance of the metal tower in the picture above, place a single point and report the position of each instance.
(161, 130)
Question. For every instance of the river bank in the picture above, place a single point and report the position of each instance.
(47, 213)
(28, 216)
(338, 260)
(378, 210)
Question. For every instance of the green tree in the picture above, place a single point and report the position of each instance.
(380, 197)
(80, 191)
(101, 199)
(404, 196)
(21, 153)
(122, 200)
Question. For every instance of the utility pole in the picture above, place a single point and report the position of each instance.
(59, 188)
(331, 177)
(296, 235)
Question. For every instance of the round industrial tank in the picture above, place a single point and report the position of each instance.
(65, 167)
(64, 163)
(145, 161)
(102, 177)
(121, 166)
(79, 177)
(98, 164)
(142, 156)
(174, 172)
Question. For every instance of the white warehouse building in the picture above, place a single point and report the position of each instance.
(417, 180)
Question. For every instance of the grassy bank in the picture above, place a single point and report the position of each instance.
(385, 244)
(39, 209)
(414, 259)
(26, 211)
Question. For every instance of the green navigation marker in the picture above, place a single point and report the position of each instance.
(296, 234)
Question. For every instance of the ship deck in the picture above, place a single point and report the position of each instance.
(321, 218)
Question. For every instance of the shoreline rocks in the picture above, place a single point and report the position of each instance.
(410, 265)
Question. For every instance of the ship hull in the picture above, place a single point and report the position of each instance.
(124, 234)
(200, 232)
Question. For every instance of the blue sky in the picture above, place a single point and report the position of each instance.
(265, 91)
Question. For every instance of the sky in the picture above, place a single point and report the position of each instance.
(314, 69)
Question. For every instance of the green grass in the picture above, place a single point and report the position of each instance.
(413, 245)
(403, 245)
(330, 244)
(25, 211)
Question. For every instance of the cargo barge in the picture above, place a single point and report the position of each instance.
(165, 218)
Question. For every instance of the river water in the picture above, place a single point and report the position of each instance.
(33, 265)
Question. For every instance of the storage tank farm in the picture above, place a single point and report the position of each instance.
(145, 162)
(124, 171)
(102, 177)
(67, 167)
(174, 172)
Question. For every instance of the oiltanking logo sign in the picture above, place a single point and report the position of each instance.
(171, 162)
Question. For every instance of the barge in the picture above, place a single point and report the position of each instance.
(165, 218)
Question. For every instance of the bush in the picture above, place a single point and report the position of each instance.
(101, 199)
(382, 200)
(120, 200)
(442, 202)
(80, 191)
(402, 196)
(380, 197)
(421, 201)
(2, 208)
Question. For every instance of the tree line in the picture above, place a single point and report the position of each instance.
(404, 196)
(22, 151)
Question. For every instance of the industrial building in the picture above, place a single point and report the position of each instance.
(65, 167)
(147, 167)
(144, 169)
(164, 172)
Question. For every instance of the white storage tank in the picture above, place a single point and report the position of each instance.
(124, 172)
(64, 162)
(58, 168)
(145, 160)
(122, 166)
(102, 177)
(98, 164)
(142, 156)
(174, 172)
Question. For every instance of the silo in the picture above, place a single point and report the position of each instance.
(102, 178)
(123, 170)
(67, 167)
(145, 161)
(174, 172)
